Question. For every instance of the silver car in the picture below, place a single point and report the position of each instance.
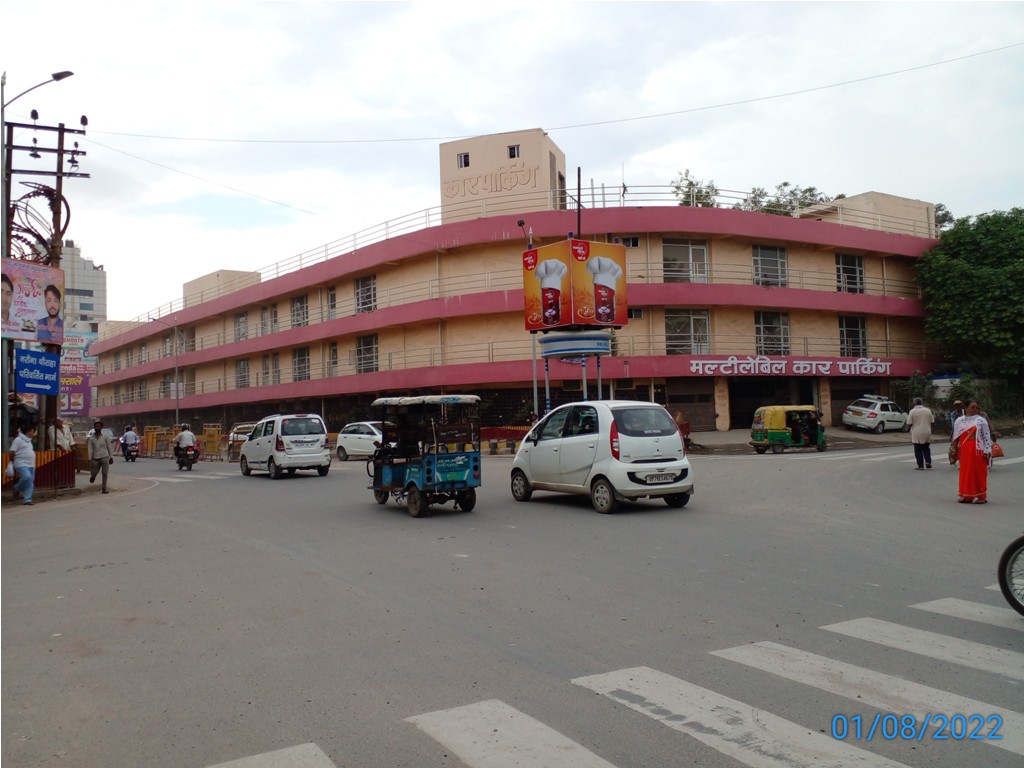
(279, 444)
(609, 450)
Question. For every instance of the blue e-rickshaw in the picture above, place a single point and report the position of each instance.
(429, 451)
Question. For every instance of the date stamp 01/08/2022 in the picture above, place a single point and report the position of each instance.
(933, 727)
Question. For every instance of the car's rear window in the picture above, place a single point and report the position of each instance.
(644, 422)
(867, 404)
(301, 426)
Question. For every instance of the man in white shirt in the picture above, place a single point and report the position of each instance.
(920, 420)
(61, 436)
(183, 439)
(101, 453)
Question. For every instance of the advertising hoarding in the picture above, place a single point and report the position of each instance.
(574, 283)
(33, 302)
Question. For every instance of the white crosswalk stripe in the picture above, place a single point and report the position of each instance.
(495, 735)
(1006, 618)
(935, 646)
(302, 756)
(873, 689)
(751, 736)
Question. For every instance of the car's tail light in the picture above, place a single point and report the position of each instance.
(872, 415)
(327, 442)
(278, 444)
(613, 439)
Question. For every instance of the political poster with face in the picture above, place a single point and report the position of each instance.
(33, 302)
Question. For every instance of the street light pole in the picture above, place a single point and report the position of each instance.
(7, 357)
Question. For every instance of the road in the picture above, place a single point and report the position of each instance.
(192, 620)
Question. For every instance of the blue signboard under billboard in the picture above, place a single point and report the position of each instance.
(36, 373)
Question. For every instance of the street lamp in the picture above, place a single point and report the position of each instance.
(177, 393)
(5, 251)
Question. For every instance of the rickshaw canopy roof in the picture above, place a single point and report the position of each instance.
(427, 400)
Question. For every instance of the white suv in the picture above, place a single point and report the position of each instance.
(609, 450)
(287, 443)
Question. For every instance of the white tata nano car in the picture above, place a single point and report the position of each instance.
(609, 450)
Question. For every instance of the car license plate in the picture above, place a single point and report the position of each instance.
(661, 478)
(858, 414)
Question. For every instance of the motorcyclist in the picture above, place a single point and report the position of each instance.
(130, 436)
(183, 439)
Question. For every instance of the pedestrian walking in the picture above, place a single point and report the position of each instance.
(23, 463)
(101, 453)
(921, 420)
(973, 442)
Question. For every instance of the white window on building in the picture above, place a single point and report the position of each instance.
(463, 160)
(849, 273)
(241, 374)
(332, 358)
(300, 364)
(685, 261)
(853, 336)
(117, 361)
(268, 319)
(265, 380)
(630, 241)
(300, 311)
(687, 332)
(241, 326)
(770, 266)
(332, 303)
(771, 330)
(143, 354)
(513, 151)
(366, 293)
(366, 354)
(275, 368)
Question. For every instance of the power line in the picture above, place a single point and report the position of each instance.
(753, 100)
(200, 178)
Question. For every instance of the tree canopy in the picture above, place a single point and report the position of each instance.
(972, 284)
(784, 201)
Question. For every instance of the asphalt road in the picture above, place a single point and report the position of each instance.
(197, 619)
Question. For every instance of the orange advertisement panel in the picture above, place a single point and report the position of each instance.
(597, 273)
(547, 294)
(574, 282)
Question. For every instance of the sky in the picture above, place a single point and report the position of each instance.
(235, 135)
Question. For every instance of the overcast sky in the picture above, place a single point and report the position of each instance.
(183, 100)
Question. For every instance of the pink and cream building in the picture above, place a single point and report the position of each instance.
(727, 309)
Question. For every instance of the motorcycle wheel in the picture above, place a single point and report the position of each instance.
(1011, 575)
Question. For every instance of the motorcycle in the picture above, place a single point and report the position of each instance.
(1011, 575)
(187, 457)
(130, 451)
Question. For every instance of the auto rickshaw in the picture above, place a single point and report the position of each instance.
(787, 426)
(429, 451)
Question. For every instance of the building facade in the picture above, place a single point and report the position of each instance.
(728, 310)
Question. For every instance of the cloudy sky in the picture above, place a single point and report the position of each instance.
(233, 135)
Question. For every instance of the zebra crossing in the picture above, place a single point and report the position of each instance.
(491, 734)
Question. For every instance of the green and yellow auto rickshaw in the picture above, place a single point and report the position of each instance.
(778, 427)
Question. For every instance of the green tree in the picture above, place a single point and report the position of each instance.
(972, 285)
(786, 199)
(944, 219)
(693, 193)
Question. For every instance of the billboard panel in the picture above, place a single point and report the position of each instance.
(33, 302)
(574, 283)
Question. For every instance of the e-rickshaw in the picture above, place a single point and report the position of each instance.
(429, 451)
(779, 427)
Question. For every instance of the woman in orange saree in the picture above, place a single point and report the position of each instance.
(973, 440)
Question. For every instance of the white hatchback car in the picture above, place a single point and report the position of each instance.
(279, 444)
(609, 450)
(361, 438)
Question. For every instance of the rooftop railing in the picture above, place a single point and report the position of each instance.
(594, 197)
